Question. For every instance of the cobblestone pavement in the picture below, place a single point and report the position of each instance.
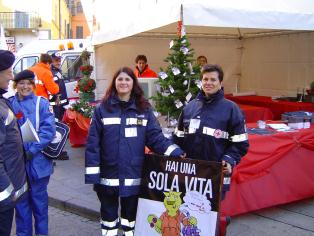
(62, 223)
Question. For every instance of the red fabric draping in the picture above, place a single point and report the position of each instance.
(276, 107)
(79, 126)
(277, 169)
(254, 113)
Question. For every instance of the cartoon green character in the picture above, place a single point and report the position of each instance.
(169, 223)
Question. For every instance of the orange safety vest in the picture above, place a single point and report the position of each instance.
(44, 80)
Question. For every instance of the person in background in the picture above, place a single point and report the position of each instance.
(201, 61)
(213, 128)
(44, 82)
(142, 69)
(122, 125)
(60, 99)
(38, 166)
(13, 184)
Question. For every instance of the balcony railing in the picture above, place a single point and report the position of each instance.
(20, 20)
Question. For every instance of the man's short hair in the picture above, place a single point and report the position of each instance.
(201, 57)
(141, 58)
(211, 68)
(45, 58)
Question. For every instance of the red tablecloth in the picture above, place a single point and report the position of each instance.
(277, 169)
(254, 113)
(79, 126)
(276, 107)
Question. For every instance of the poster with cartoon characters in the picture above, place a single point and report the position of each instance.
(179, 197)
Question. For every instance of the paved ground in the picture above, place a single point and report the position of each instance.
(67, 191)
(63, 223)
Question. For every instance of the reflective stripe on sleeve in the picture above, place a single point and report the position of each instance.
(129, 233)
(109, 232)
(111, 121)
(109, 182)
(6, 193)
(38, 82)
(132, 182)
(239, 138)
(227, 180)
(127, 223)
(20, 192)
(110, 224)
(92, 170)
(170, 149)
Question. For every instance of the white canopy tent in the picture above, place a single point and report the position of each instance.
(250, 38)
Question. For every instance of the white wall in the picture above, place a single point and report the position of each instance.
(113, 55)
(278, 65)
(27, 37)
(273, 65)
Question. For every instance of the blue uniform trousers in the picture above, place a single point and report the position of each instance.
(110, 208)
(58, 111)
(6, 218)
(36, 204)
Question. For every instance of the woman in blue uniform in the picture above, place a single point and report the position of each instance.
(38, 167)
(122, 125)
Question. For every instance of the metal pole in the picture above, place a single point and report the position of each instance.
(59, 19)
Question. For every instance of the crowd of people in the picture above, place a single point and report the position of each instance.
(123, 124)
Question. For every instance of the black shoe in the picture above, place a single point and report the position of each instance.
(228, 220)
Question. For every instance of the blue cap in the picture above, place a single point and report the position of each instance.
(6, 59)
(25, 74)
(56, 55)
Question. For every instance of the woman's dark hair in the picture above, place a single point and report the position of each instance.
(211, 68)
(137, 92)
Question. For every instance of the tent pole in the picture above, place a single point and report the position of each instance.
(181, 14)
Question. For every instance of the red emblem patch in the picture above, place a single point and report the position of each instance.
(217, 133)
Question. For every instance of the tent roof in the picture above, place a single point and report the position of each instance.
(225, 18)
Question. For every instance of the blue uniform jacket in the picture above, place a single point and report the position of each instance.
(213, 130)
(57, 77)
(13, 183)
(39, 166)
(115, 146)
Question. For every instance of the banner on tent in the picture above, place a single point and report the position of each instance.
(178, 197)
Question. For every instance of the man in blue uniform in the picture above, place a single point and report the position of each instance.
(61, 99)
(13, 183)
(211, 127)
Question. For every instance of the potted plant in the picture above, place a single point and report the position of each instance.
(86, 85)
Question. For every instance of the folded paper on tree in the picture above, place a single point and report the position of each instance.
(178, 197)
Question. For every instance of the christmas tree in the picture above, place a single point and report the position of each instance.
(179, 82)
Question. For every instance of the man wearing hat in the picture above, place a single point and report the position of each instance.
(13, 185)
(61, 99)
(38, 166)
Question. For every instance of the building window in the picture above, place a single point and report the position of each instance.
(79, 32)
(79, 8)
(72, 7)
